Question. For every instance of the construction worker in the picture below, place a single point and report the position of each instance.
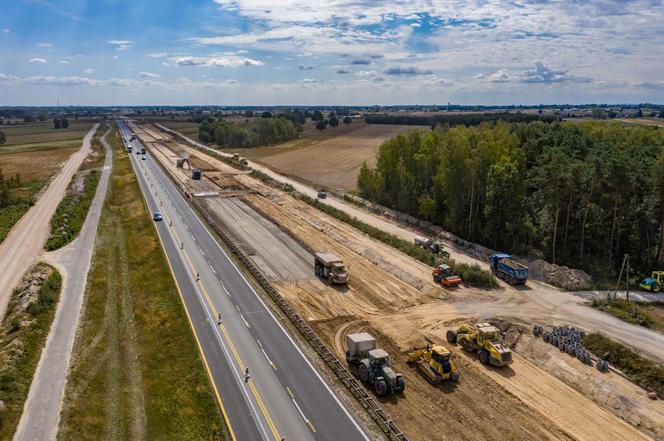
(246, 375)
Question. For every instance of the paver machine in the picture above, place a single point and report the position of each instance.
(443, 274)
(372, 365)
(484, 340)
(434, 363)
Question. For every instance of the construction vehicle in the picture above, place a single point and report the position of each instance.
(654, 283)
(431, 245)
(508, 269)
(443, 274)
(196, 174)
(329, 266)
(484, 340)
(434, 363)
(372, 365)
(322, 194)
(243, 161)
(142, 150)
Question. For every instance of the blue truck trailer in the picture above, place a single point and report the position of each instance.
(508, 269)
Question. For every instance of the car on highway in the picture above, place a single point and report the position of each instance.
(157, 216)
(143, 158)
(322, 194)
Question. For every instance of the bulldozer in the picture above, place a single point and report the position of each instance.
(443, 274)
(434, 363)
(484, 340)
(654, 283)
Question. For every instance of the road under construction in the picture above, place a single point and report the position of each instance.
(389, 295)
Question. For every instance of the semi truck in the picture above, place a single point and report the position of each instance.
(372, 365)
(329, 266)
(508, 269)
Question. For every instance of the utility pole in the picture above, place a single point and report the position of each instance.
(627, 279)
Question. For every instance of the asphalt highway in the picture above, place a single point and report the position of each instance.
(284, 396)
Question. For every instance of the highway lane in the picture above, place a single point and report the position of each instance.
(293, 400)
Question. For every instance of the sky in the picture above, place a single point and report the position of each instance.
(330, 52)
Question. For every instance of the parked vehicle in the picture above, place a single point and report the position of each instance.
(322, 194)
(329, 266)
(508, 269)
(372, 365)
(654, 283)
(157, 217)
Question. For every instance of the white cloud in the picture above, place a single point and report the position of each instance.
(67, 60)
(37, 61)
(89, 71)
(157, 54)
(121, 45)
(6, 30)
(228, 61)
(44, 45)
(148, 75)
(544, 73)
(499, 76)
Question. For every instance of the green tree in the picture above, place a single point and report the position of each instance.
(333, 121)
(3, 137)
(317, 115)
(266, 114)
(347, 120)
(321, 125)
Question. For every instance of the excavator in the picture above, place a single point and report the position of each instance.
(434, 363)
(482, 339)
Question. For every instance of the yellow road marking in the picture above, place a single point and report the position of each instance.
(313, 429)
(224, 413)
(290, 392)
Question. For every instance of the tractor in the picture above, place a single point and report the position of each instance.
(654, 283)
(443, 274)
(434, 363)
(482, 339)
(372, 365)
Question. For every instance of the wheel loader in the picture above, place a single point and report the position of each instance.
(484, 340)
(434, 363)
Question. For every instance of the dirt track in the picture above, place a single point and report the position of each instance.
(394, 296)
(25, 242)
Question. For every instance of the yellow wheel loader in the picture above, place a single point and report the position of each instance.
(484, 340)
(434, 363)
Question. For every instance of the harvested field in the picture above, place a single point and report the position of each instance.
(19, 136)
(333, 162)
(392, 295)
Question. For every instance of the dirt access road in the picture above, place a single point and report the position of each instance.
(25, 243)
(537, 303)
(387, 292)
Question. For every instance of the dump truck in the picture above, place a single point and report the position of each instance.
(196, 173)
(372, 365)
(443, 274)
(434, 363)
(484, 340)
(508, 269)
(654, 283)
(329, 266)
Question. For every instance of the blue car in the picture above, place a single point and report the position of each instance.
(157, 216)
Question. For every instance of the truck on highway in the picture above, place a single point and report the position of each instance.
(372, 365)
(142, 150)
(196, 174)
(508, 269)
(331, 267)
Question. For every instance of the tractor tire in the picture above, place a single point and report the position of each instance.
(451, 336)
(454, 376)
(381, 388)
(484, 356)
(364, 373)
(545, 337)
(656, 288)
(401, 384)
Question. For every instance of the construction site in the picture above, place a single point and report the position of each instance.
(536, 392)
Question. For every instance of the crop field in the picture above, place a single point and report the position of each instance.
(330, 159)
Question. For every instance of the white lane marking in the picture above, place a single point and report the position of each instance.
(245, 321)
(306, 420)
(260, 299)
(212, 268)
(268, 358)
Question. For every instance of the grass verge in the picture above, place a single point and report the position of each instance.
(134, 346)
(640, 370)
(22, 337)
(648, 315)
(70, 215)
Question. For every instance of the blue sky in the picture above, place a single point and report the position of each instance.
(263, 52)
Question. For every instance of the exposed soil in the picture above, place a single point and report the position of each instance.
(393, 297)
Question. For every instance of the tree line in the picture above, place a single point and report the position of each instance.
(453, 119)
(576, 194)
(260, 131)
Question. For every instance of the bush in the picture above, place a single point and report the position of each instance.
(630, 312)
(644, 372)
(47, 294)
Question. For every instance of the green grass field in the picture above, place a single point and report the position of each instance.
(136, 372)
(43, 132)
